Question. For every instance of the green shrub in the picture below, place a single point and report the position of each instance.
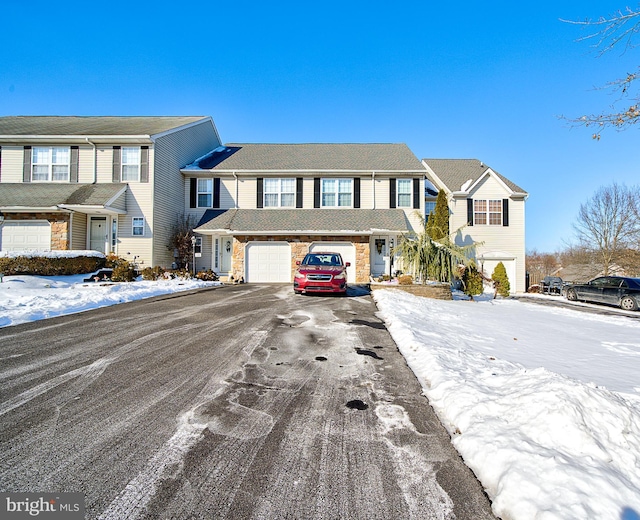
(55, 266)
(208, 276)
(501, 280)
(472, 282)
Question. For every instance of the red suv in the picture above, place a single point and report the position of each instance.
(321, 272)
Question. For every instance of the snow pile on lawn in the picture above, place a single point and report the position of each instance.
(543, 404)
(50, 254)
(29, 298)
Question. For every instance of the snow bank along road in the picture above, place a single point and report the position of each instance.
(239, 402)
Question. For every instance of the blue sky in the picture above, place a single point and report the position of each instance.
(477, 80)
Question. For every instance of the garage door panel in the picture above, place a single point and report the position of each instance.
(268, 262)
(25, 235)
(346, 249)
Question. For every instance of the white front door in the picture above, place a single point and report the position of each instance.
(225, 254)
(379, 255)
(98, 234)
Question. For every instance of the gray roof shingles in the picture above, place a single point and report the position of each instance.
(455, 172)
(48, 195)
(302, 221)
(314, 157)
(92, 125)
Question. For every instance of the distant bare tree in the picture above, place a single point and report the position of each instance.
(608, 223)
(606, 33)
(540, 265)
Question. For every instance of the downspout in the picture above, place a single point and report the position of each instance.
(235, 201)
(95, 169)
(373, 188)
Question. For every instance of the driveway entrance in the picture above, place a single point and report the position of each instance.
(244, 402)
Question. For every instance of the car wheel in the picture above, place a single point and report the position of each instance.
(571, 295)
(628, 303)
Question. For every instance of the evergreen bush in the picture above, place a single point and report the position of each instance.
(501, 280)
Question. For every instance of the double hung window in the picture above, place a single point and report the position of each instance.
(50, 163)
(279, 193)
(404, 193)
(487, 212)
(130, 164)
(138, 227)
(337, 193)
(205, 193)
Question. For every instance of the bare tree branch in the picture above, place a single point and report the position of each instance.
(613, 31)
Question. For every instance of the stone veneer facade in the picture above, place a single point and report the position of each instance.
(59, 226)
(300, 247)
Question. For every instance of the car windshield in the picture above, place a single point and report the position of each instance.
(323, 259)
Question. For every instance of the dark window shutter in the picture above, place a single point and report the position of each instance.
(26, 167)
(392, 193)
(356, 192)
(73, 173)
(144, 164)
(470, 212)
(299, 183)
(505, 212)
(117, 157)
(416, 193)
(260, 193)
(316, 192)
(193, 192)
(216, 192)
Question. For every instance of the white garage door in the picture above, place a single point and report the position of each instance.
(346, 249)
(25, 235)
(268, 262)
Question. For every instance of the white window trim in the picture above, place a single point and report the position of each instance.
(487, 213)
(50, 164)
(134, 226)
(337, 192)
(123, 164)
(198, 193)
(398, 183)
(279, 192)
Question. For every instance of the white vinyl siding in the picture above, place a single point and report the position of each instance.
(168, 188)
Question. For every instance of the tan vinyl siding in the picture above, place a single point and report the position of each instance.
(227, 192)
(496, 239)
(247, 192)
(85, 164)
(78, 231)
(104, 158)
(366, 193)
(139, 203)
(12, 160)
(307, 192)
(172, 152)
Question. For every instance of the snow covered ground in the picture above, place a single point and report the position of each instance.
(542, 403)
(30, 298)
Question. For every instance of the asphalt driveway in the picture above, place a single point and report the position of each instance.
(241, 402)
